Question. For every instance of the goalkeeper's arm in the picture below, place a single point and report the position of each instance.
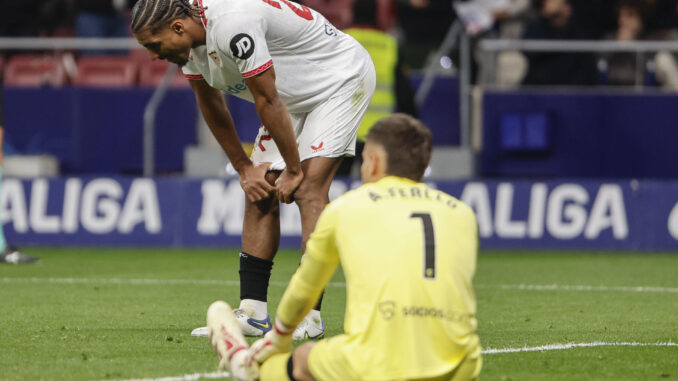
(304, 289)
(320, 262)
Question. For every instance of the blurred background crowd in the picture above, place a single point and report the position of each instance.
(421, 25)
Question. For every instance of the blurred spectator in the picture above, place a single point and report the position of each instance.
(626, 69)
(661, 18)
(666, 63)
(102, 18)
(511, 19)
(338, 12)
(424, 24)
(18, 18)
(393, 92)
(595, 18)
(558, 21)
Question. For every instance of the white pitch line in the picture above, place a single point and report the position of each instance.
(557, 347)
(186, 377)
(235, 283)
(488, 351)
(558, 287)
(146, 282)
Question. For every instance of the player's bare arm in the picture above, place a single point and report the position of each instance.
(220, 122)
(274, 116)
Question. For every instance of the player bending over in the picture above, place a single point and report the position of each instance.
(310, 84)
(408, 253)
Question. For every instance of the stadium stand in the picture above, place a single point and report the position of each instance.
(34, 71)
(106, 71)
(152, 72)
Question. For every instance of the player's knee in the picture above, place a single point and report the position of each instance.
(269, 205)
(310, 192)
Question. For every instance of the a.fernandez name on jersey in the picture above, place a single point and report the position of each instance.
(412, 192)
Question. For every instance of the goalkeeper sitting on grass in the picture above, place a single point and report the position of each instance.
(408, 253)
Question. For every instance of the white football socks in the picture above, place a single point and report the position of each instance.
(255, 308)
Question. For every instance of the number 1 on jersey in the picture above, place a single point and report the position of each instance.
(304, 12)
(429, 244)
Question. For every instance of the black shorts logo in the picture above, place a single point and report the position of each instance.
(242, 46)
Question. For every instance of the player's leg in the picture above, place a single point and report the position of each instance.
(260, 242)
(313, 193)
(288, 366)
(9, 254)
(311, 198)
(329, 134)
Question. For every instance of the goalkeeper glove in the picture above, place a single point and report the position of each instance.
(277, 340)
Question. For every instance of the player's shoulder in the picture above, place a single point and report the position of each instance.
(231, 15)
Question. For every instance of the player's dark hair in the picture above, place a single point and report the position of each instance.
(407, 142)
(159, 13)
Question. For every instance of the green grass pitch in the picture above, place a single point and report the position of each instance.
(102, 314)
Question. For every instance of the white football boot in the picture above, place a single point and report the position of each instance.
(312, 327)
(250, 326)
(229, 343)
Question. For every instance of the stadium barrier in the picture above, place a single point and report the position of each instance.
(178, 212)
(593, 134)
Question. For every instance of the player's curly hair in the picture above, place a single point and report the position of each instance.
(159, 13)
(407, 142)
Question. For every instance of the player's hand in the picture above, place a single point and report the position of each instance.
(275, 341)
(286, 184)
(253, 182)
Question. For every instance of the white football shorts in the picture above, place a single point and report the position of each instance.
(329, 130)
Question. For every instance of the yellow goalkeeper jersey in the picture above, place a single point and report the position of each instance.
(409, 254)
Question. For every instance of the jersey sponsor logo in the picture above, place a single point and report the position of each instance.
(236, 88)
(215, 57)
(432, 312)
(387, 309)
(329, 30)
(242, 46)
(317, 148)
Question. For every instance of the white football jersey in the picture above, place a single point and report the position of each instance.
(312, 59)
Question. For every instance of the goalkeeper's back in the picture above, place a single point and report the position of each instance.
(409, 254)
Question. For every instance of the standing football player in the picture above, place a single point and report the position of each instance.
(8, 253)
(413, 316)
(310, 84)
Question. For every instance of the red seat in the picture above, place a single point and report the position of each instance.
(151, 73)
(34, 71)
(106, 71)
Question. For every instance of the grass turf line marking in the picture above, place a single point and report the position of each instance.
(186, 377)
(556, 287)
(146, 282)
(556, 347)
(235, 283)
(488, 351)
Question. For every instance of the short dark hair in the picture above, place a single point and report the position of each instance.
(158, 13)
(407, 142)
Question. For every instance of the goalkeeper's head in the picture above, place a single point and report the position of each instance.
(398, 145)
